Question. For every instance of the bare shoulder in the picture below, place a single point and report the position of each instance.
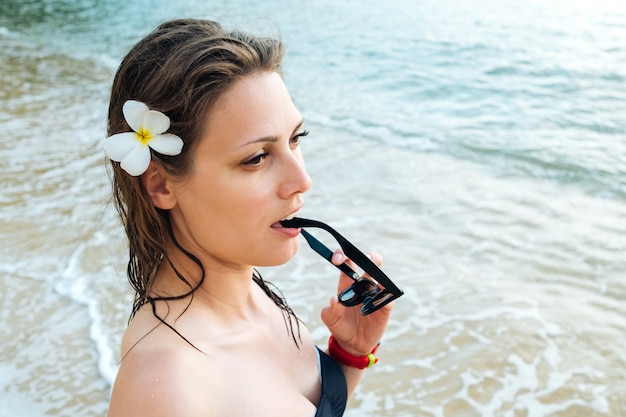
(251, 368)
(160, 376)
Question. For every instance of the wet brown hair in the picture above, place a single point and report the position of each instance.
(180, 69)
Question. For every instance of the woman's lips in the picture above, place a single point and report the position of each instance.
(288, 231)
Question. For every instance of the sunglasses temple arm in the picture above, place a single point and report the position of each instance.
(327, 254)
(350, 250)
(366, 263)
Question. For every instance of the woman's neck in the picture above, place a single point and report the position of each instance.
(217, 285)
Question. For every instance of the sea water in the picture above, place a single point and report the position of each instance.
(480, 146)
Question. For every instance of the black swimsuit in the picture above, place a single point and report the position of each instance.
(334, 388)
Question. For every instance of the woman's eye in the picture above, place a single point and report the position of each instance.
(256, 160)
(296, 139)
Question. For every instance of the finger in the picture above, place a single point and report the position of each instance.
(338, 257)
(377, 258)
(344, 280)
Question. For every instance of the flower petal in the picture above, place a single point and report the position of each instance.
(137, 161)
(118, 146)
(155, 122)
(134, 112)
(167, 144)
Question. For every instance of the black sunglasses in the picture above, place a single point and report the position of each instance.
(364, 290)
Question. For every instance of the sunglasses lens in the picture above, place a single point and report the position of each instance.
(374, 303)
(357, 292)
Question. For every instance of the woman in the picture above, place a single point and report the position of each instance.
(205, 159)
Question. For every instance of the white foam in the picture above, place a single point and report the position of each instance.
(14, 402)
(73, 284)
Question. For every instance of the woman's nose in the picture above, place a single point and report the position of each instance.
(295, 178)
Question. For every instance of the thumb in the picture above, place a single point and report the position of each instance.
(330, 314)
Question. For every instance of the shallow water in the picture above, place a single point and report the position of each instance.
(479, 147)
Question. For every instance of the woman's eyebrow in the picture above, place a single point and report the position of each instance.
(273, 138)
(298, 126)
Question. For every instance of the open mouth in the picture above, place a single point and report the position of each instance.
(290, 223)
(282, 223)
(291, 216)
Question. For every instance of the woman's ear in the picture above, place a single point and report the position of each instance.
(155, 182)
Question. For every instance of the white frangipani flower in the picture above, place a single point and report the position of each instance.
(132, 149)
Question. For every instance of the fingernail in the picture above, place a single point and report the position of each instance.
(337, 258)
(369, 255)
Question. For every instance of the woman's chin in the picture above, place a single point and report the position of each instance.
(277, 258)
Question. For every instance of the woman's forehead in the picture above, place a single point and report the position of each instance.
(255, 107)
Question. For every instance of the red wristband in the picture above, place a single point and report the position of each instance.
(339, 354)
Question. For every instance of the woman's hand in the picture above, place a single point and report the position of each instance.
(356, 333)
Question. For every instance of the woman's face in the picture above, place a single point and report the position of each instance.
(248, 174)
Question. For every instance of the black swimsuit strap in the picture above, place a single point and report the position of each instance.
(334, 388)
